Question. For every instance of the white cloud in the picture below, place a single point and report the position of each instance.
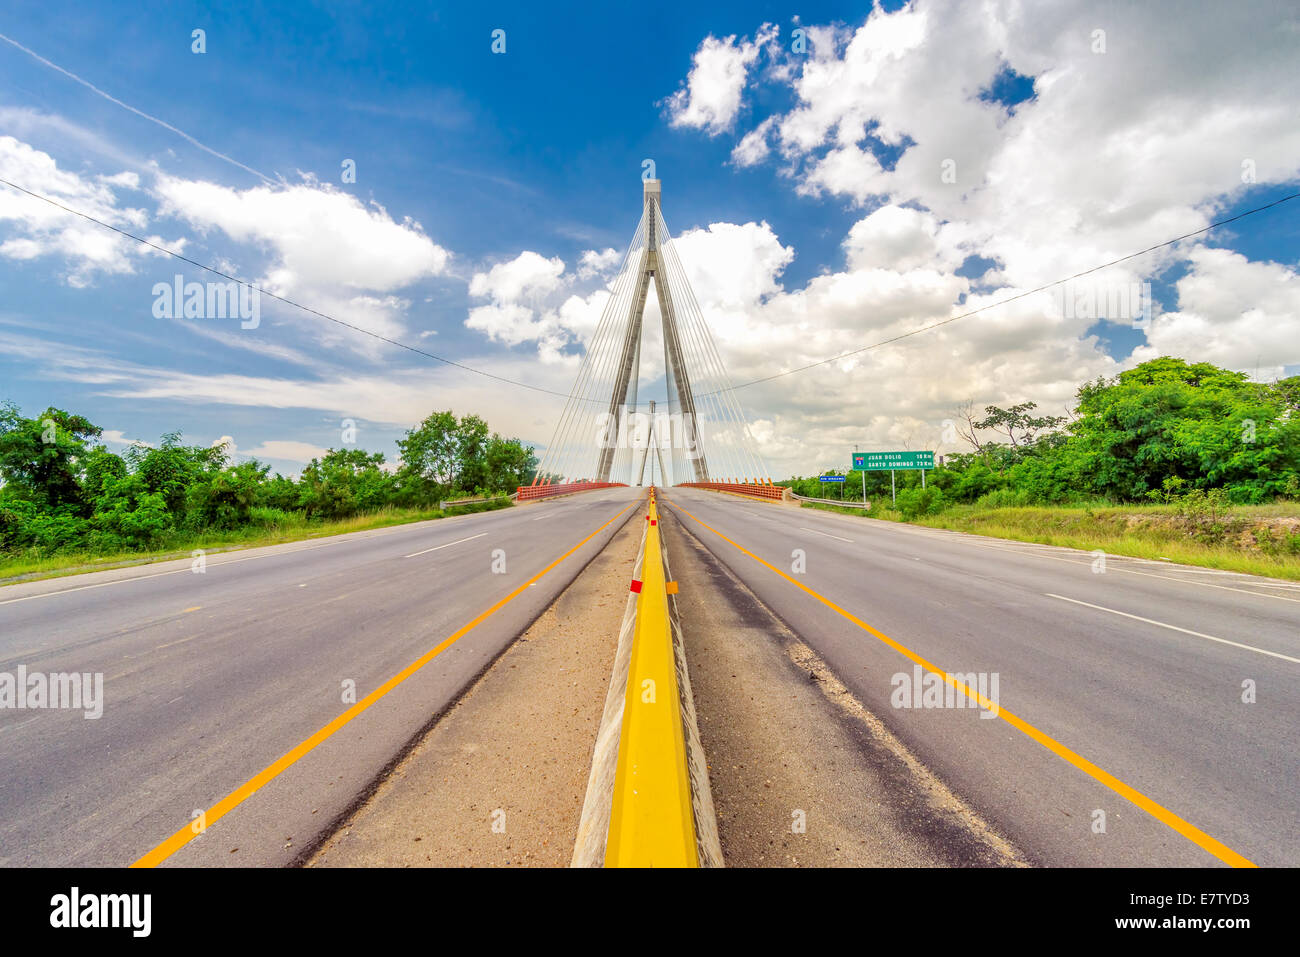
(287, 450)
(753, 147)
(329, 251)
(320, 235)
(593, 263)
(1113, 153)
(398, 397)
(1245, 314)
(525, 303)
(710, 98)
(898, 238)
(732, 266)
(38, 228)
(527, 276)
(118, 437)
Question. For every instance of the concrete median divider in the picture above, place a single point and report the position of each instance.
(648, 802)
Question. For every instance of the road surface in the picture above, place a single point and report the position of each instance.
(1089, 662)
(211, 678)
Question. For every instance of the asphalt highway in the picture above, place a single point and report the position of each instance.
(212, 678)
(1148, 713)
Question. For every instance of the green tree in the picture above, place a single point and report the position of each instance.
(430, 457)
(1167, 418)
(508, 464)
(344, 482)
(128, 515)
(225, 499)
(471, 454)
(41, 459)
(170, 469)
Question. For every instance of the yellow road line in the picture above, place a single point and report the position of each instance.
(232, 800)
(652, 818)
(1160, 813)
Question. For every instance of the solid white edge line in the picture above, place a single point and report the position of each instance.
(1008, 544)
(1186, 631)
(177, 571)
(448, 545)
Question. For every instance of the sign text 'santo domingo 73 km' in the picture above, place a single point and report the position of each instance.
(883, 461)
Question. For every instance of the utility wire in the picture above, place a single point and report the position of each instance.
(1021, 295)
(565, 395)
(290, 302)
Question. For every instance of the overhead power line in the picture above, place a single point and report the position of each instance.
(565, 395)
(290, 302)
(1020, 295)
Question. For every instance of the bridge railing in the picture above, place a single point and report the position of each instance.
(528, 493)
(776, 493)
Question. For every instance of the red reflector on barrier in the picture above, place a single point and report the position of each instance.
(636, 586)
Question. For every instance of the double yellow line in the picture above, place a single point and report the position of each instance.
(652, 818)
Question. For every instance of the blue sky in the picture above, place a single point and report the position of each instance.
(466, 160)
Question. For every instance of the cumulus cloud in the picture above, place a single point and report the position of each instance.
(710, 97)
(528, 275)
(118, 437)
(35, 228)
(531, 300)
(598, 263)
(347, 258)
(753, 147)
(1245, 314)
(286, 450)
(1110, 153)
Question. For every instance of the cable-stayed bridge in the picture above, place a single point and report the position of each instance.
(604, 435)
(1060, 694)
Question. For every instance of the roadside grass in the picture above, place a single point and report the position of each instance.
(1254, 539)
(270, 527)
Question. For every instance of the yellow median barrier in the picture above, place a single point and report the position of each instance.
(652, 821)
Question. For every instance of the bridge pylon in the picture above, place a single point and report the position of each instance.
(704, 428)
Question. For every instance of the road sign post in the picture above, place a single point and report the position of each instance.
(865, 462)
(834, 480)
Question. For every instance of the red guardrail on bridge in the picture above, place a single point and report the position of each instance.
(530, 492)
(757, 490)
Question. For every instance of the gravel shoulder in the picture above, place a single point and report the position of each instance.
(500, 780)
(802, 775)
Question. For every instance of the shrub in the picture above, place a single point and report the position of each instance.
(915, 502)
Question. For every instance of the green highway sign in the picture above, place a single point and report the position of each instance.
(885, 461)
